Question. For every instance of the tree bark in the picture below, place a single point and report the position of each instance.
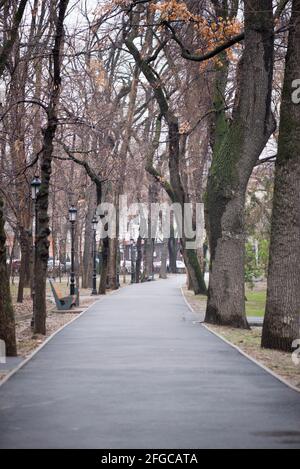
(112, 264)
(87, 261)
(113, 249)
(104, 268)
(7, 321)
(42, 242)
(139, 259)
(282, 318)
(148, 258)
(164, 257)
(236, 151)
(24, 274)
(9, 43)
(172, 245)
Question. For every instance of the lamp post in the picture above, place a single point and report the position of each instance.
(132, 261)
(94, 225)
(35, 189)
(72, 218)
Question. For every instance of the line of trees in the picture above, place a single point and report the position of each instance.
(163, 100)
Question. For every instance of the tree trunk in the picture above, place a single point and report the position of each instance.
(172, 245)
(11, 257)
(9, 43)
(77, 249)
(164, 257)
(113, 254)
(282, 319)
(24, 275)
(148, 258)
(196, 277)
(139, 258)
(236, 150)
(42, 242)
(112, 264)
(87, 262)
(7, 321)
(104, 269)
(105, 242)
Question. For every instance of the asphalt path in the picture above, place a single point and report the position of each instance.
(138, 371)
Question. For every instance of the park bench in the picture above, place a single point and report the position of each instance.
(63, 303)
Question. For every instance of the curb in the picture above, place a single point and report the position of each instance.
(245, 354)
(38, 349)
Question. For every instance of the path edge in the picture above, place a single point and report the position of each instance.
(245, 354)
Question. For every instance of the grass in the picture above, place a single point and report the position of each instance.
(255, 306)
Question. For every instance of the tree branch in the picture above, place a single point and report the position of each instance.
(280, 8)
(150, 76)
(209, 55)
(186, 54)
(149, 163)
(24, 101)
(268, 159)
(90, 172)
(8, 45)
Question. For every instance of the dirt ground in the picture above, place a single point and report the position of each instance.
(26, 340)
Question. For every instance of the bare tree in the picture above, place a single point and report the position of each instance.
(282, 319)
(42, 242)
(7, 323)
(237, 147)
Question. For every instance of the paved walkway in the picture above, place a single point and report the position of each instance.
(137, 371)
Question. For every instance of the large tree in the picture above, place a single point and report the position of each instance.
(7, 322)
(238, 145)
(237, 141)
(42, 242)
(282, 318)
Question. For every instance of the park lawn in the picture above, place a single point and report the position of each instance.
(256, 303)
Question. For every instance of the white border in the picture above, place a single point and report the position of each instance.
(253, 360)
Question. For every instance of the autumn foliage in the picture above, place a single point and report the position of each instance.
(211, 31)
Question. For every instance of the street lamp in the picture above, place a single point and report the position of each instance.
(72, 219)
(94, 225)
(35, 189)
